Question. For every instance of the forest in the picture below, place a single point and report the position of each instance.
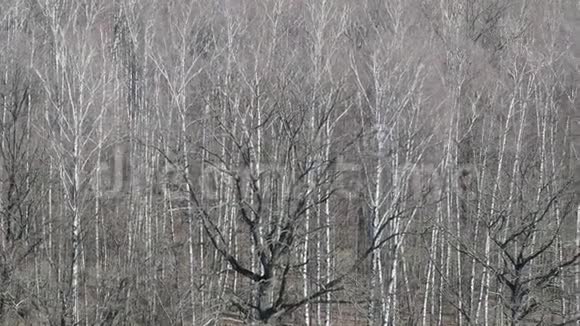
(289, 162)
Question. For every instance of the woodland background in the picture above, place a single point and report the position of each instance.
(289, 162)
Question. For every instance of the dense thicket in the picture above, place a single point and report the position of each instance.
(300, 162)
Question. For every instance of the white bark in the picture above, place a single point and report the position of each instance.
(485, 286)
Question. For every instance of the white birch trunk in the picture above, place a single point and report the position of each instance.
(430, 277)
(486, 280)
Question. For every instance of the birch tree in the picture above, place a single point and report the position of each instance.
(71, 85)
